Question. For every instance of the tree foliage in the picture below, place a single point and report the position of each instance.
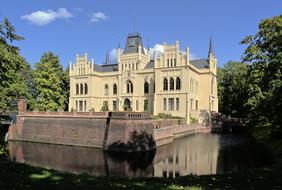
(264, 56)
(15, 72)
(50, 84)
(232, 91)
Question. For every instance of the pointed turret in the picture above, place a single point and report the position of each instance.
(211, 52)
(107, 61)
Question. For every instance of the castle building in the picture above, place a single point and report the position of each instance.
(165, 82)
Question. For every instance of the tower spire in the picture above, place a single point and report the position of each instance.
(107, 61)
(211, 47)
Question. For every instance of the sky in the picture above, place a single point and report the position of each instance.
(96, 27)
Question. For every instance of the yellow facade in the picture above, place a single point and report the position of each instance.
(165, 82)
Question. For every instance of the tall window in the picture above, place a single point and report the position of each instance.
(175, 62)
(81, 88)
(77, 89)
(129, 87)
(136, 105)
(165, 84)
(171, 84)
(196, 86)
(114, 105)
(115, 89)
(106, 90)
(171, 63)
(164, 104)
(80, 105)
(84, 105)
(85, 88)
(191, 104)
(212, 85)
(167, 62)
(178, 83)
(177, 104)
(196, 104)
(146, 105)
(146, 88)
(171, 104)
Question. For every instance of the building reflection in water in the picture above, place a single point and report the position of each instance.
(198, 154)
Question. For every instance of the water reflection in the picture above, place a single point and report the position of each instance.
(196, 154)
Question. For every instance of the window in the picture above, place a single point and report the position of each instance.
(171, 64)
(164, 104)
(136, 66)
(85, 88)
(77, 89)
(171, 104)
(191, 85)
(146, 88)
(114, 89)
(165, 84)
(175, 62)
(146, 104)
(196, 86)
(84, 105)
(122, 67)
(167, 62)
(76, 105)
(136, 105)
(81, 88)
(171, 84)
(133, 66)
(129, 87)
(80, 105)
(191, 104)
(106, 90)
(114, 105)
(178, 83)
(196, 105)
(177, 104)
(212, 85)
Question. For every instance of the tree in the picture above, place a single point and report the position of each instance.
(15, 72)
(49, 82)
(264, 55)
(232, 89)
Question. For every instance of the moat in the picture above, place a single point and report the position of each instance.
(197, 154)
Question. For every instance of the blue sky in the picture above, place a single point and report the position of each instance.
(96, 26)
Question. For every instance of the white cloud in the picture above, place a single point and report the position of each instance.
(98, 17)
(41, 18)
(193, 56)
(113, 55)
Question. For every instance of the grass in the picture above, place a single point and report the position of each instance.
(21, 176)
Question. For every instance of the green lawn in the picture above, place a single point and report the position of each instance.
(21, 176)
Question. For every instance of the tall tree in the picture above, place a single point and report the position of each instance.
(15, 73)
(264, 54)
(50, 88)
(232, 89)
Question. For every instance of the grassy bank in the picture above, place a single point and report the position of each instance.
(21, 176)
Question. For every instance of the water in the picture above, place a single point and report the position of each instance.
(198, 154)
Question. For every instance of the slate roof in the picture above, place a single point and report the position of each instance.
(106, 68)
(150, 65)
(200, 63)
(132, 43)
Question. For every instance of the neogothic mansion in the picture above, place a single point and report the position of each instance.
(167, 82)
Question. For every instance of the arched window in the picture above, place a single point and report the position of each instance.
(77, 89)
(81, 88)
(129, 86)
(191, 85)
(171, 84)
(85, 88)
(178, 83)
(115, 89)
(146, 88)
(106, 90)
(212, 86)
(165, 84)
